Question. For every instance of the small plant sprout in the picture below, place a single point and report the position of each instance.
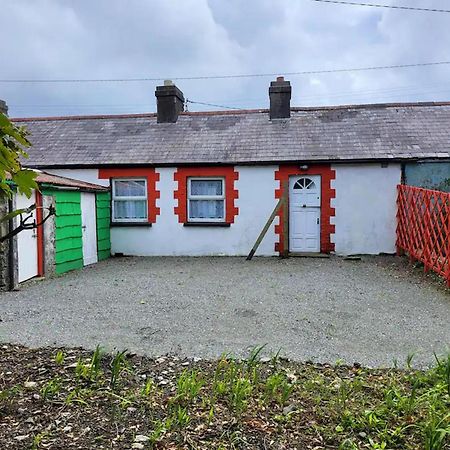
(240, 392)
(436, 431)
(254, 358)
(119, 364)
(37, 440)
(59, 357)
(275, 358)
(210, 415)
(51, 388)
(278, 388)
(189, 385)
(160, 427)
(91, 370)
(181, 417)
(443, 370)
(148, 388)
(409, 360)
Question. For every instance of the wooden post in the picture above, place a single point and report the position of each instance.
(266, 227)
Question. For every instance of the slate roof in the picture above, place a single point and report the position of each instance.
(343, 133)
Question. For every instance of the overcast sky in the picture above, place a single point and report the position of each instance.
(81, 39)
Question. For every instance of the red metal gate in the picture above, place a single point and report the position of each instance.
(423, 227)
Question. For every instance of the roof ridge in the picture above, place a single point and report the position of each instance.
(232, 112)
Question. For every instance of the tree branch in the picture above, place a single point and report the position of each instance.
(26, 225)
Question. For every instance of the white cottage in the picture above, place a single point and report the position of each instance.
(205, 183)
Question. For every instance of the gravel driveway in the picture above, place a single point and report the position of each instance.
(371, 311)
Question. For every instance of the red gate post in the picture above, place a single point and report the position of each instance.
(427, 238)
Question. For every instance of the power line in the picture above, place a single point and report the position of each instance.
(377, 5)
(218, 77)
(393, 91)
(211, 104)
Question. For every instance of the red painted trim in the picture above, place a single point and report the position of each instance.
(152, 177)
(231, 194)
(39, 235)
(326, 211)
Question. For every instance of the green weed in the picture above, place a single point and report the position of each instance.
(118, 365)
(160, 427)
(189, 385)
(91, 370)
(435, 432)
(148, 388)
(240, 391)
(181, 417)
(51, 388)
(278, 388)
(59, 357)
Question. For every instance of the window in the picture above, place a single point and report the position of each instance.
(129, 200)
(206, 199)
(305, 183)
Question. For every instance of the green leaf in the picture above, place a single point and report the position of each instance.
(13, 214)
(24, 179)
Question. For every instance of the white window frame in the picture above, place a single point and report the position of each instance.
(115, 197)
(206, 197)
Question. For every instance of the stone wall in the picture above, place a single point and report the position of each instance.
(6, 283)
(49, 237)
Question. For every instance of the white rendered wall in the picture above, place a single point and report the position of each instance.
(365, 206)
(256, 187)
(88, 175)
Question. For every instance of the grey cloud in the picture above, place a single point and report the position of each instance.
(135, 38)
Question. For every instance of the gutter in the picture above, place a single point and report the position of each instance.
(242, 163)
(71, 188)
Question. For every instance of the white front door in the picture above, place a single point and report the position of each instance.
(27, 243)
(89, 227)
(304, 213)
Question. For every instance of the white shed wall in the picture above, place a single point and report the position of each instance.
(87, 175)
(365, 206)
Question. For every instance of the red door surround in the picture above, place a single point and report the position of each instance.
(149, 173)
(326, 211)
(231, 194)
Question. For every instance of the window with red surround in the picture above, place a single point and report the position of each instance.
(149, 174)
(227, 173)
(326, 211)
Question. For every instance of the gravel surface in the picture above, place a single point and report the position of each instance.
(372, 311)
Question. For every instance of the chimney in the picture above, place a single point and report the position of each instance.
(3, 107)
(169, 102)
(280, 99)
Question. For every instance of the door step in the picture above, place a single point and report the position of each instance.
(309, 255)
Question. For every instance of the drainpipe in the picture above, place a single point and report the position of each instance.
(403, 174)
(11, 271)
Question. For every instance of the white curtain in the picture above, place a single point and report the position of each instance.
(206, 209)
(130, 209)
(129, 188)
(206, 187)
